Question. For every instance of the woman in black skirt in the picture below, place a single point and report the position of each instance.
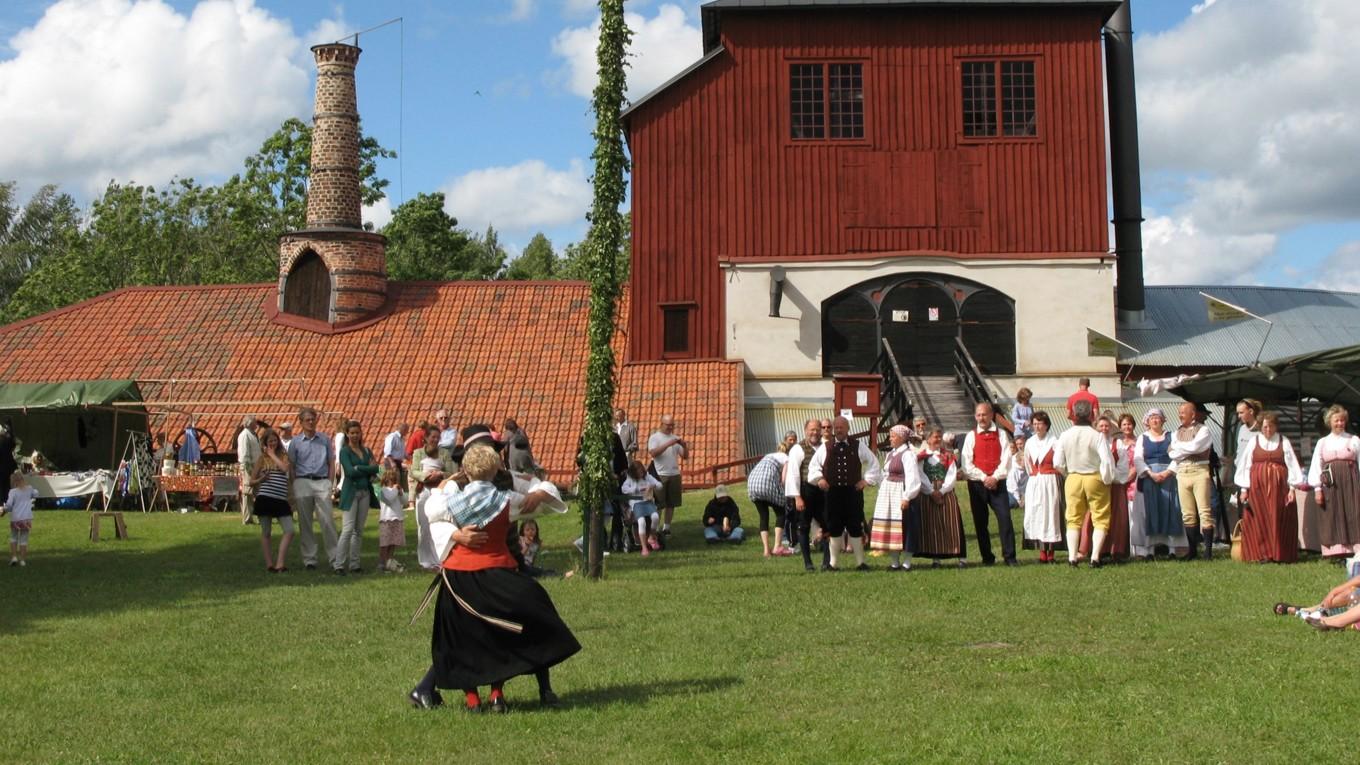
(491, 622)
(270, 482)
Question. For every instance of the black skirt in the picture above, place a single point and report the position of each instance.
(515, 630)
(272, 507)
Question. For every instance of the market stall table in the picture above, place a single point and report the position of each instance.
(73, 484)
(201, 486)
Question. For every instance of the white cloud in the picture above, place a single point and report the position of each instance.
(379, 213)
(520, 10)
(1201, 7)
(1248, 108)
(1177, 250)
(1341, 269)
(136, 91)
(661, 47)
(518, 198)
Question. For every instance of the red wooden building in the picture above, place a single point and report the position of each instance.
(913, 171)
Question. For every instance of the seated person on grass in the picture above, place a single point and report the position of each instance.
(722, 519)
(1339, 610)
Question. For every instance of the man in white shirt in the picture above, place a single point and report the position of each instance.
(1084, 454)
(394, 450)
(842, 467)
(667, 449)
(985, 462)
(286, 435)
(1189, 450)
(247, 454)
(807, 497)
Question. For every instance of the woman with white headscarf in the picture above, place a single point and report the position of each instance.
(1155, 517)
(901, 484)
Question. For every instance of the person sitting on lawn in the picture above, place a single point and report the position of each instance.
(641, 487)
(1339, 609)
(722, 518)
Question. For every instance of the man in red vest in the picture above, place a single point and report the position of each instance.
(986, 461)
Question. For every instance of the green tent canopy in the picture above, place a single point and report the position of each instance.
(75, 424)
(67, 395)
(1330, 377)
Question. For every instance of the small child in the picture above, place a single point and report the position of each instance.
(643, 485)
(529, 543)
(19, 504)
(391, 522)
(1022, 414)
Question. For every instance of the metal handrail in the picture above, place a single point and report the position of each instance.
(969, 375)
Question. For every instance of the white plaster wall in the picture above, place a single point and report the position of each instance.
(1055, 301)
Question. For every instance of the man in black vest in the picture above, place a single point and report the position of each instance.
(842, 467)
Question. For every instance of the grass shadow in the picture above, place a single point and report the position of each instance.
(636, 694)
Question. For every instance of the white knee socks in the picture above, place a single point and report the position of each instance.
(857, 545)
(1073, 538)
(1097, 541)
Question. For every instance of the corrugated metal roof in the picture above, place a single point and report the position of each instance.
(1178, 332)
(712, 12)
(767, 424)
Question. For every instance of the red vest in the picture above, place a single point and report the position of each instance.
(987, 450)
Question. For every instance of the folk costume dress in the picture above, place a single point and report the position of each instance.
(1043, 492)
(491, 622)
(1269, 470)
(1334, 470)
(1155, 517)
(1116, 545)
(901, 482)
(937, 529)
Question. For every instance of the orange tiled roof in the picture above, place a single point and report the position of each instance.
(485, 350)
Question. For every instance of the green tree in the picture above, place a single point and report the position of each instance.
(424, 242)
(537, 262)
(601, 250)
(282, 166)
(31, 233)
(572, 264)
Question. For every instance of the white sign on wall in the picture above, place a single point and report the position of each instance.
(901, 315)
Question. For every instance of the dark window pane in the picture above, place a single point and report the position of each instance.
(806, 105)
(1017, 98)
(676, 330)
(979, 98)
(845, 83)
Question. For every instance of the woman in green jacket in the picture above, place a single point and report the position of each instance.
(356, 497)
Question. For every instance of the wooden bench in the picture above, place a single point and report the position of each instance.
(119, 528)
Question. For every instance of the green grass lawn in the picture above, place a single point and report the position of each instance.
(176, 646)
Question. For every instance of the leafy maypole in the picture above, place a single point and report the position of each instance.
(601, 266)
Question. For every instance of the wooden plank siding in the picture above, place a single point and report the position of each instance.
(716, 176)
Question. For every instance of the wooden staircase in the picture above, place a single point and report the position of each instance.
(942, 401)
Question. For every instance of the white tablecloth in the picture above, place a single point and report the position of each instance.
(73, 484)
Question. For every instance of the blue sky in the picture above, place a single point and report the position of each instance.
(486, 101)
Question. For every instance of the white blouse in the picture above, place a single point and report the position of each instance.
(1244, 459)
(1036, 449)
(933, 458)
(1328, 448)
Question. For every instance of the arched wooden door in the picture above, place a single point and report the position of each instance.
(307, 291)
(987, 327)
(920, 322)
(849, 334)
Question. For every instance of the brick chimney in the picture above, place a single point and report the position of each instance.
(333, 271)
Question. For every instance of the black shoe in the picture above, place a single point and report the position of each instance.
(549, 700)
(1073, 562)
(809, 567)
(829, 567)
(498, 705)
(339, 572)
(989, 561)
(862, 567)
(425, 701)
(310, 567)
(1096, 563)
(1012, 562)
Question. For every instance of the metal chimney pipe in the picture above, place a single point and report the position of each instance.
(1124, 176)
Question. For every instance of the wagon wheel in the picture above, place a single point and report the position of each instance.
(206, 443)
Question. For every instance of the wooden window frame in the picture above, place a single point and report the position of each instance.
(1000, 104)
(689, 307)
(786, 101)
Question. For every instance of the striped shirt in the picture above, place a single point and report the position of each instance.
(274, 484)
